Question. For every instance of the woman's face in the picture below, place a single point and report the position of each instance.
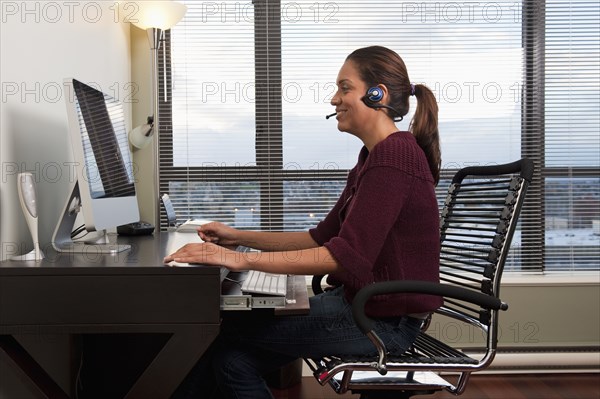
(352, 113)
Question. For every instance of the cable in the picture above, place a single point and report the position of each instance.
(77, 231)
(238, 282)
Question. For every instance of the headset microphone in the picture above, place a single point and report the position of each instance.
(373, 96)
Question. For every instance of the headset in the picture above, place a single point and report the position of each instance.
(373, 96)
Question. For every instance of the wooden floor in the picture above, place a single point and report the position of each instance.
(508, 386)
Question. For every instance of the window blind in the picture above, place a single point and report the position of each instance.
(244, 138)
(572, 135)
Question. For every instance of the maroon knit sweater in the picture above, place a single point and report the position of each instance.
(385, 226)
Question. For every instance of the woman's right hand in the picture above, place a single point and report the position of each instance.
(218, 233)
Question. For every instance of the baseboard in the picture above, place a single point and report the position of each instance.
(547, 362)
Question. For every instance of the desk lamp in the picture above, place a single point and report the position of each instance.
(154, 17)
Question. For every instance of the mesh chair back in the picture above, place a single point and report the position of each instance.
(477, 224)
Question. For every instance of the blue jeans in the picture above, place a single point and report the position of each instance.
(250, 346)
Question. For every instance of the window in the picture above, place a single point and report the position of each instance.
(572, 134)
(244, 137)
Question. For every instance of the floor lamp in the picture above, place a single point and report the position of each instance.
(155, 17)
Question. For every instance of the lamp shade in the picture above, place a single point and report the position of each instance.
(141, 136)
(158, 14)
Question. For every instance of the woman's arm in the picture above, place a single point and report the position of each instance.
(302, 261)
(277, 241)
(309, 261)
(222, 234)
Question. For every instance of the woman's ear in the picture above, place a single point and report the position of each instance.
(384, 90)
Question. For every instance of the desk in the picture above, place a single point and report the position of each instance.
(129, 292)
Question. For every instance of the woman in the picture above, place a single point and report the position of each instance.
(385, 226)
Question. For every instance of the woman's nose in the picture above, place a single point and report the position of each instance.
(335, 100)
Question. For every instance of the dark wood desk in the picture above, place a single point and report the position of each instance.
(128, 292)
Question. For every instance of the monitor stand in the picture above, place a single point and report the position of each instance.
(62, 241)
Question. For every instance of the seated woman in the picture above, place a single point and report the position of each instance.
(385, 226)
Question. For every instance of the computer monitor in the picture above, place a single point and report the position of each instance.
(103, 187)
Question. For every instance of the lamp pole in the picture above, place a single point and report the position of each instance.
(156, 17)
(155, 36)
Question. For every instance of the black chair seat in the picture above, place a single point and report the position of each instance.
(436, 352)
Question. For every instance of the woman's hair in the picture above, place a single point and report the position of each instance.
(379, 65)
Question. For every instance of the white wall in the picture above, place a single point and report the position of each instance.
(41, 44)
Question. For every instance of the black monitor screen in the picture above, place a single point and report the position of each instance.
(108, 167)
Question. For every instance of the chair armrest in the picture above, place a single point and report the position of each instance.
(366, 324)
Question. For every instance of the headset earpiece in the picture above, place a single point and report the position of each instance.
(374, 94)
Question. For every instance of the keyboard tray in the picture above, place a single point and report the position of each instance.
(232, 297)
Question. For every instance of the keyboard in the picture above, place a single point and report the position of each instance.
(265, 283)
(178, 240)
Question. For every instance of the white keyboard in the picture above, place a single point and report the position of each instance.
(265, 283)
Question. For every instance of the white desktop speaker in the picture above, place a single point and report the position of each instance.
(27, 198)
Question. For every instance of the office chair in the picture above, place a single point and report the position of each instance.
(477, 223)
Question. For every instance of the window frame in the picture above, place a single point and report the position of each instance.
(271, 173)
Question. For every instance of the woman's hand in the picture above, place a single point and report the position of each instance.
(218, 233)
(207, 253)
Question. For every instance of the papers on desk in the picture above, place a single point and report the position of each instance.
(191, 226)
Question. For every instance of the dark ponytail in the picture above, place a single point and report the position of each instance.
(380, 65)
(424, 126)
